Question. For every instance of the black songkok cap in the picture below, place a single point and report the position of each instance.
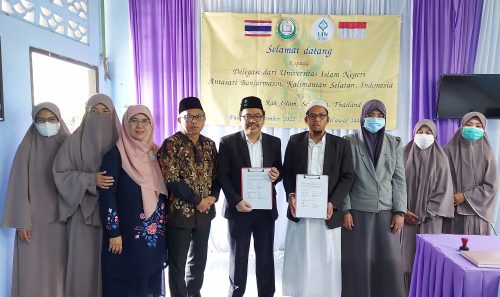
(189, 103)
(251, 102)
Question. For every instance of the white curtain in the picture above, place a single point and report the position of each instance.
(218, 237)
(488, 61)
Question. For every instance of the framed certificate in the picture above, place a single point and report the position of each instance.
(257, 188)
(312, 196)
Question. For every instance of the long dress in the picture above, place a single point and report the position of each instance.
(138, 270)
(39, 267)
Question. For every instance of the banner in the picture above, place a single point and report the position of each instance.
(288, 60)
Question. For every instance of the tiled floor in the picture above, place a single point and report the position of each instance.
(216, 281)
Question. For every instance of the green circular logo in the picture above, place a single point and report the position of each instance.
(287, 28)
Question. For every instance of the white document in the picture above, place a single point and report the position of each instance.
(311, 196)
(257, 188)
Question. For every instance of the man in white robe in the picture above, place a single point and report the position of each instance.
(312, 262)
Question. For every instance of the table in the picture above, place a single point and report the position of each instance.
(439, 269)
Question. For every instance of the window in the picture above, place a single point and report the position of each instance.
(63, 81)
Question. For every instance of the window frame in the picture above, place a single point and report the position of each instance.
(60, 57)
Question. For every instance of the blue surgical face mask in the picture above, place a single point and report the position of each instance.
(472, 133)
(373, 125)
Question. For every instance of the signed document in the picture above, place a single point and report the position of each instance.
(257, 188)
(312, 196)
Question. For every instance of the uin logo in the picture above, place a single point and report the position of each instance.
(322, 29)
(287, 28)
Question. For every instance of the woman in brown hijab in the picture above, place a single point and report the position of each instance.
(429, 190)
(31, 206)
(474, 174)
(77, 176)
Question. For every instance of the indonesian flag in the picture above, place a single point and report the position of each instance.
(352, 29)
(258, 27)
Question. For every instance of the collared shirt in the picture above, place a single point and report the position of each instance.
(316, 156)
(255, 150)
(189, 171)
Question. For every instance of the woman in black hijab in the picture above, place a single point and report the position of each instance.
(374, 210)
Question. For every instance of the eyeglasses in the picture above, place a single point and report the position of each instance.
(192, 118)
(51, 120)
(313, 116)
(137, 122)
(255, 117)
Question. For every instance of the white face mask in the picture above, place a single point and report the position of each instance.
(423, 141)
(48, 129)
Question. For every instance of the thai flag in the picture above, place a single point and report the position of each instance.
(352, 29)
(258, 27)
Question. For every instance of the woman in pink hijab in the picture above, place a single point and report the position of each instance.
(134, 251)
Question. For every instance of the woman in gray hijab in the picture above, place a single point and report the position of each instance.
(31, 206)
(474, 174)
(77, 176)
(374, 210)
(429, 189)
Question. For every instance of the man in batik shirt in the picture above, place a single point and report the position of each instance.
(188, 161)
